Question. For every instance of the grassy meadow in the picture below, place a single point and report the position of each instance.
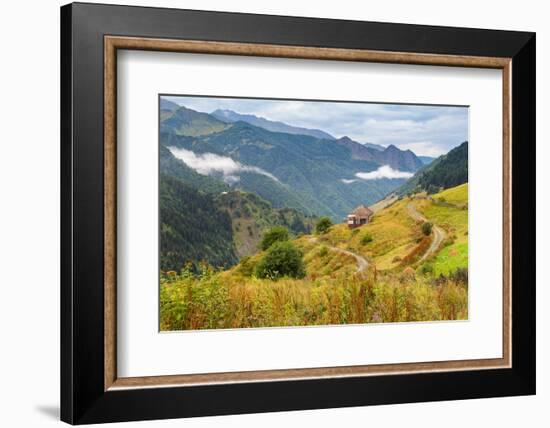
(385, 271)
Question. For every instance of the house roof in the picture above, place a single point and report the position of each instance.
(362, 211)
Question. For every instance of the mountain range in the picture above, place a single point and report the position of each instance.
(230, 116)
(404, 160)
(318, 174)
(289, 169)
(226, 177)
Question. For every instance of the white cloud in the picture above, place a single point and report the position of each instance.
(345, 181)
(211, 164)
(384, 171)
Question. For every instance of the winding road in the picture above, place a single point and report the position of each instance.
(362, 263)
(439, 234)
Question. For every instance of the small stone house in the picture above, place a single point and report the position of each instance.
(359, 216)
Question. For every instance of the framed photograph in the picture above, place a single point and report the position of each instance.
(266, 213)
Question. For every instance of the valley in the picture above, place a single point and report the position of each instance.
(255, 230)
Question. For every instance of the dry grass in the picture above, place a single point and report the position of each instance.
(218, 300)
(417, 252)
(390, 228)
(393, 289)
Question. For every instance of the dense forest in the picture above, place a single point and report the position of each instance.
(447, 171)
(216, 228)
(193, 228)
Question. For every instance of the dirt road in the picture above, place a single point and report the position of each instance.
(362, 263)
(439, 234)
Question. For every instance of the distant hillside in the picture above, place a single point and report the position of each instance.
(167, 108)
(374, 146)
(317, 172)
(192, 228)
(403, 160)
(216, 228)
(426, 160)
(446, 171)
(252, 215)
(168, 105)
(184, 121)
(277, 193)
(231, 116)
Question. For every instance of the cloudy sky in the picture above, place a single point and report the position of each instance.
(426, 130)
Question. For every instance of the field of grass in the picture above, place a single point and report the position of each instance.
(392, 234)
(455, 195)
(454, 220)
(214, 300)
(395, 287)
(451, 258)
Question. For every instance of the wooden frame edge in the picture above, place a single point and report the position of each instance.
(298, 374)
(109, 198)
(507, 213)
(112, 43)
(301, 52)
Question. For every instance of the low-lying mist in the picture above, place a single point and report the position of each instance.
(214, 164)
(385, 171)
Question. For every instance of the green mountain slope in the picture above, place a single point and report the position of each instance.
(216, 228)
(277, 193)
(167, 108)
(192, 228)
(168, 105)
(252, 215)
(446, 171)
(184, 121)
(308, 166)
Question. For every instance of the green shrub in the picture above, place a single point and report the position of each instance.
(426, 268)
(323, 251)
(275, 234)
(367, 237)
(323, 225)
(426, 228)
(282, 259)
(460, 276)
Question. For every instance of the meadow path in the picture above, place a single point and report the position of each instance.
(362, 263)
(439, 234)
